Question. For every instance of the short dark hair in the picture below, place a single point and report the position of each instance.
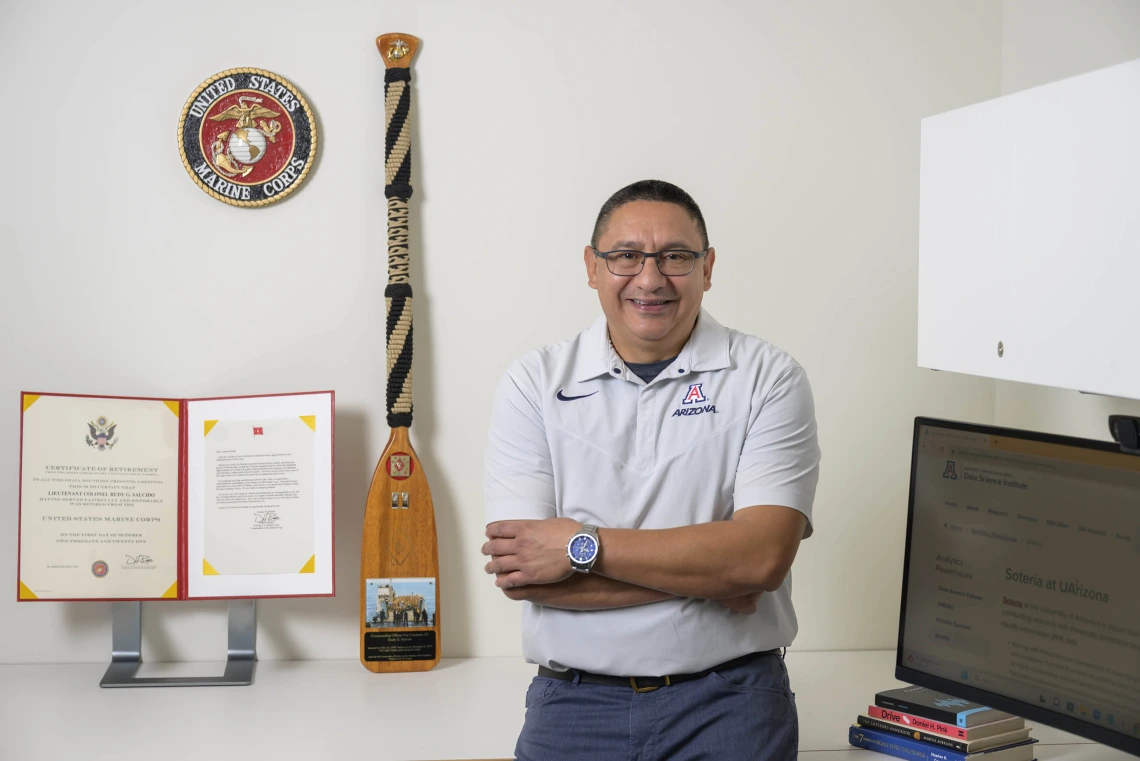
(650, 190)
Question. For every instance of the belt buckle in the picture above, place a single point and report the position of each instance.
(633, 684)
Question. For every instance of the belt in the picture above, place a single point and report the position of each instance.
(651, 683)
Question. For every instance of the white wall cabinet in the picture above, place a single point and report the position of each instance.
(1029, 236)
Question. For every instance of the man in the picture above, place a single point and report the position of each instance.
(647, 485)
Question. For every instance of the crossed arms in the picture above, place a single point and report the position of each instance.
(732, 562)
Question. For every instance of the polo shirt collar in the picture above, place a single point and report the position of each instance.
(706, 349)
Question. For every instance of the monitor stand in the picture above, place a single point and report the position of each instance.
(126, 650)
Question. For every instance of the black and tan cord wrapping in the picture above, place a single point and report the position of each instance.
(398, 293)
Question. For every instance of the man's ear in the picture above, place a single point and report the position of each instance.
(591, 262)
(710, 260)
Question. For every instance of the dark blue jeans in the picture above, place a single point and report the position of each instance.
(746, 713)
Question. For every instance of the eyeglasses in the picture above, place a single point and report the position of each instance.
(673, 263)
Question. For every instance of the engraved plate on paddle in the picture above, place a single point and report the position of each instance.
(399, 646)
(396, 612)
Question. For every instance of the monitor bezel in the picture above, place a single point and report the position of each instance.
(1029, 711)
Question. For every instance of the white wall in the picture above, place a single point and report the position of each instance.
(795, 125)
(1044, 41)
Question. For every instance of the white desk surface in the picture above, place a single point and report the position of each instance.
(316, 710)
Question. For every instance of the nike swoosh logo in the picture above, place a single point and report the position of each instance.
(563, 398)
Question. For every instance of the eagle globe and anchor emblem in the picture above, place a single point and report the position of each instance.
(246, 144)
(247, 137)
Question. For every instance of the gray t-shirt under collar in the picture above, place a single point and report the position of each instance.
(647, 371)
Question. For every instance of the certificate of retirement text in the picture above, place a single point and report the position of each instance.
(99, 498)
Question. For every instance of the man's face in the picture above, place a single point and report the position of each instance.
(650, 315)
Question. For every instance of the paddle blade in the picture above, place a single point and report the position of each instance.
(399, 568)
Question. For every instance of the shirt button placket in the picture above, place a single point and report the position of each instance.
(646, 427)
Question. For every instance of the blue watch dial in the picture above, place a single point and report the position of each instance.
(583, 549)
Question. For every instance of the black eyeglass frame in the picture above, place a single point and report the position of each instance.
(644, 255)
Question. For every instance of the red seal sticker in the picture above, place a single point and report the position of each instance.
(99, 569)
(399, 466)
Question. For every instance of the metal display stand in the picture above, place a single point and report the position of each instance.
(126, 650)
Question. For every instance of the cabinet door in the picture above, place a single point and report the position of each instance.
(965, 233)
(1030, 235)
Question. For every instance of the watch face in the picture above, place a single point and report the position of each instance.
(583, 549)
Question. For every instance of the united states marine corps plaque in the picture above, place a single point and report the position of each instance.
(247, 137)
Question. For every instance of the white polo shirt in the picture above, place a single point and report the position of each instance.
(729, 424)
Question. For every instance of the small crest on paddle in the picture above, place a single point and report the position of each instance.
(397, 49)
(399, 466)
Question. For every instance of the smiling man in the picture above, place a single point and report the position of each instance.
(647, 485)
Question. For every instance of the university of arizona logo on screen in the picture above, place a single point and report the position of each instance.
(697, 402)
(951, 471)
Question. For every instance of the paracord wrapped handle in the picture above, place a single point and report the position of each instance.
(397, 51)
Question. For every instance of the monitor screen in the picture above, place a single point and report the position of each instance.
(1021, 580)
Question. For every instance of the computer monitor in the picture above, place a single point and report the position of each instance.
(1021, 580)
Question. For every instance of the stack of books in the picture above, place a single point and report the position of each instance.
(924, 725)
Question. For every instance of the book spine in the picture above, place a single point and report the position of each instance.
(918, 722)
(917, 709)
(903, 731)
(892, 745)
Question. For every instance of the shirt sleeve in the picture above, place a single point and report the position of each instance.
(779, 463)
(518, 477)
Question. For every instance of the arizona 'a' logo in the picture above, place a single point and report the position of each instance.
(101, 434)
(247, 137)
(951, 471)
(694, 395)
(697, 403)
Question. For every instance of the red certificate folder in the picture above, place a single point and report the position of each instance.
(140, 498)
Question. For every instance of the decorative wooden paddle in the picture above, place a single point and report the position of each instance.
(399, 565)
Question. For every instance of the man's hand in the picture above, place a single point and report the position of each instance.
(529, 552)
(745, 604)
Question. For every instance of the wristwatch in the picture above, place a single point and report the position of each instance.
(583, 548)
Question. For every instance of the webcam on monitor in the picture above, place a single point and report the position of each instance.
(1126, 432)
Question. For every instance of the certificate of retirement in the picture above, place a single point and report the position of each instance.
(99, 498)
(125, 498)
